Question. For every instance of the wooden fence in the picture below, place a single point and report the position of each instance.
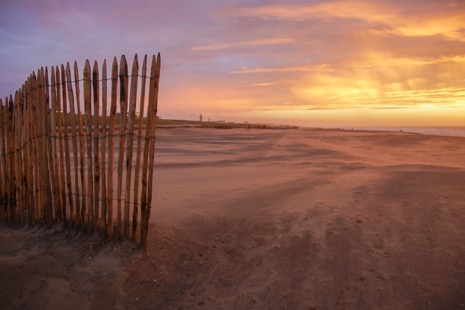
(80, 151)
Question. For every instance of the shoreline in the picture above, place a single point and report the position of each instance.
(454, 131)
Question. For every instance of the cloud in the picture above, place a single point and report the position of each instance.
(257, 42)
(308, 68)
(448, 23)
(401, 83)
(324, 10)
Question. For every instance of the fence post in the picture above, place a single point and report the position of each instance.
(151, 118)
(154, 93)
(69, 189)
(103, 135)
(111, 148)
(139, 149)
(82, 156)
(96, 131)
(12, 156)
(130, 142)
(61, 158)
(123, 99)
(3, 165)
(88, 124)
(20, 206)
(72, 115)
(43, 160)
(48, 115)
(53, 149)
(33, 166)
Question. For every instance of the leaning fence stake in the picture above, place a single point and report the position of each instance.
(123, 99)
(89, 134)
(111, 144)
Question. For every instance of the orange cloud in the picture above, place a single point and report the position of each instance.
(385, 81)
(449, 24)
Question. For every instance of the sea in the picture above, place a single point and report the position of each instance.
(438, 131)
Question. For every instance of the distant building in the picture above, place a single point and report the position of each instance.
(201, 118)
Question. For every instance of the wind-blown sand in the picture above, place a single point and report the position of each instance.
(269, 219)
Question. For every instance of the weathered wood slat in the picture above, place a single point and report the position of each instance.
(56, 159)
(25, 158)
(153, 118)
(69, 187)
(43, 159)
(146, 179)
(26, 140)
(31, 151)
(114, 90)
(145, 162)
(40, 150)
(46, 143)
(19, 160)
(60, 127)
(12, 155)
(96, 131)
(123, 99)
(130, 142)
(7, 157)
(35, 142)
(103, 149)
(82, 157)
(25, 181)
(50, 146)
(135, 217)
(13, 159)
(72, 118)
(3, 165)
(8, 141)
(89, 133)
(9, 145)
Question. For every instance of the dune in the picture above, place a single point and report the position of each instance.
(268, 219)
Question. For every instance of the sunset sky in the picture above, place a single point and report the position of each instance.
(313, 63)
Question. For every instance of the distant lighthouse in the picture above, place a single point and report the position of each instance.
(200, 118)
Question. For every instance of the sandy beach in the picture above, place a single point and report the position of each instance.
(268, 219)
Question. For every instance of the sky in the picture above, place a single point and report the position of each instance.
(310, 63)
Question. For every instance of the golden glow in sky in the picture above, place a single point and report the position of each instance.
(314, 63)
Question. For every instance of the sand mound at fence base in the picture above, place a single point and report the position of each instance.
(56, 269)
